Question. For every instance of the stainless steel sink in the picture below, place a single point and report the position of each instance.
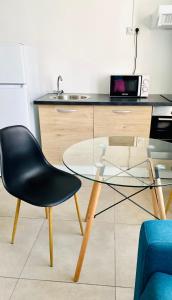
(69, 97)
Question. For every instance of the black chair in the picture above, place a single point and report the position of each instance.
(28, 176)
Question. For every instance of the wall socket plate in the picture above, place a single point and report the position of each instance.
(130, 30)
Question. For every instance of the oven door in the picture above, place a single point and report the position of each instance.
(161, 128)
(125, 86)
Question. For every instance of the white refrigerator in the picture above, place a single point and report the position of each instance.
(19, 86)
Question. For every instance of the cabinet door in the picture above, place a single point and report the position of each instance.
(62, 126)
(122, 121)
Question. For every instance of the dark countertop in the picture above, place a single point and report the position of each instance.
(167, 97)
(104, 99)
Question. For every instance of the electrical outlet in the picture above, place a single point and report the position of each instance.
(130, 30)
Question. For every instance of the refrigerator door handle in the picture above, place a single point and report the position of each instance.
(7, 84)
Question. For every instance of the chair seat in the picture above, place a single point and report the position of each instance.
(46, 186)
(159, 287)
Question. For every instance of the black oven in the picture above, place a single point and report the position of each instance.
(161, 125)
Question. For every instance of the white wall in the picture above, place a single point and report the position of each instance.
(155, 47)
(85, 41)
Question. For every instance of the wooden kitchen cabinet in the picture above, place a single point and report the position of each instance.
(62, 126)
(122, 120)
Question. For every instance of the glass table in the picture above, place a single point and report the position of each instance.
(120, 161)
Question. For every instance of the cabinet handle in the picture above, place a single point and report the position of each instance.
(165, 119)
(121, 111)
(62, 110)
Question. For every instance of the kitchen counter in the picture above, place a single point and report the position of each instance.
(104, 99)
(167, 97)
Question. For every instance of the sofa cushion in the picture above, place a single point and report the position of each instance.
(159, 287)
(154, 253)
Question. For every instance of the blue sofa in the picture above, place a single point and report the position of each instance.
(154, 262)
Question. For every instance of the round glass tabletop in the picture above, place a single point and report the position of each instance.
(122, 161)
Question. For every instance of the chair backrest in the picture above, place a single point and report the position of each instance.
(21, 155)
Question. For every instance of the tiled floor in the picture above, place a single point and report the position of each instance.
(109, 267)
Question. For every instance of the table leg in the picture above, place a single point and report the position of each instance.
(153, 191)
(90, 202)
(168, 202)
(98, 177)
(160, 200)
(92, 209)
(155, 202)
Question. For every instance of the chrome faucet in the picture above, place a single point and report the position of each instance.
(59, 92)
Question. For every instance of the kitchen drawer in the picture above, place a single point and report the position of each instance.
(62, 126)
(122, 121)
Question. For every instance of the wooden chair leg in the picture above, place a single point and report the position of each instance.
(168, 202)
(46, 212)
(50, 224)
(15, 220)
(78, 213)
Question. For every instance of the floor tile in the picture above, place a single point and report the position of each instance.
(98, 266)
(13, 257)
(7, 286)
(67, 210)
(64, 211)
(42, 290)
(8, 205)
(126, 254)
(114, 240)
(124, 294)
(129, 213)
